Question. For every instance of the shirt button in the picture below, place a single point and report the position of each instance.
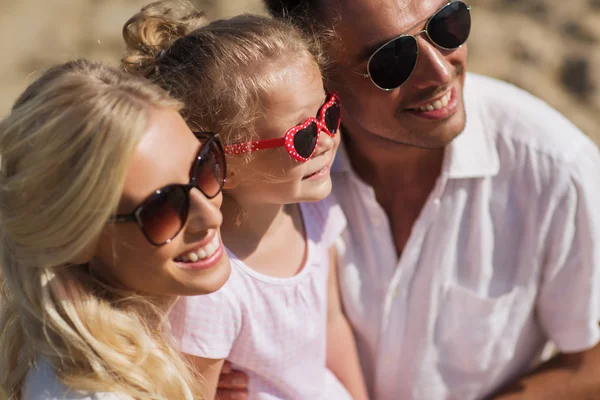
(436, 202)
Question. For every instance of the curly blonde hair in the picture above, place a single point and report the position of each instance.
(222, 71)
(65, 149)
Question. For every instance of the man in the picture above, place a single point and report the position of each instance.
(472, 209)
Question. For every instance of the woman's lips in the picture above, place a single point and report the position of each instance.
(203, 257)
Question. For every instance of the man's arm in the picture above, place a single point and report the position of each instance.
(566, 376)
(569, 296)
(342, 356)
(233, 385)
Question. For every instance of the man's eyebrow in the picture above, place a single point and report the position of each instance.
(369, 49)
(366, 52)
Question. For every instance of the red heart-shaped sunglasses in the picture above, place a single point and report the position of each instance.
(301, 140)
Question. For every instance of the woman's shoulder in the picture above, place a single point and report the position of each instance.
(42, 383)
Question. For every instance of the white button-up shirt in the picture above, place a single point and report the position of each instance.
(504, 257)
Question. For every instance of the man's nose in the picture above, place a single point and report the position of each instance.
(433, 67)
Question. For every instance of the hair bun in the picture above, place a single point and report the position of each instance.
(150, 32)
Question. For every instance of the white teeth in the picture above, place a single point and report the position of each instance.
(445, 100)
(210, 248)
(202, 253)
(438, 104)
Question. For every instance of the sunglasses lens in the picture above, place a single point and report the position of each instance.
(210, 170)
(305, 140)
(450, 27)
(393, 64)
(164, 214)
(332, 117)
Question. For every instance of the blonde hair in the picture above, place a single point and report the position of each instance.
(223, 71)
(65, 149)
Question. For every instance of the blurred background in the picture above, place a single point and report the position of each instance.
(548, 47)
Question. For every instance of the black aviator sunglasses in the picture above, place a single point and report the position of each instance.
(392, 64)
(163, 214)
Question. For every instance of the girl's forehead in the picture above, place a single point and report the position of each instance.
(295, 85)
(296, 94)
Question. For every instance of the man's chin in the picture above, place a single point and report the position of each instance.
(439, 136)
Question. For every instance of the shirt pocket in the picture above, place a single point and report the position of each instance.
(470, 331)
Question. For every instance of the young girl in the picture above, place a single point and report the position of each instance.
(257, 81)
(103, 191)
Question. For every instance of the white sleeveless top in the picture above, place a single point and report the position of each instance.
(273, 329)
(42, 383)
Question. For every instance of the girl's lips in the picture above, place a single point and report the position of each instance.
(323, 172)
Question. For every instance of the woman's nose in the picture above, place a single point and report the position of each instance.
(205, 213)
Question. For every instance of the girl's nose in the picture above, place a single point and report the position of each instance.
(325, 142)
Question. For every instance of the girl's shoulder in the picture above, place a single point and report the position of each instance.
(324, 220)
(42, 383)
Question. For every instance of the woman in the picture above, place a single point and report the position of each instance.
(104, 192)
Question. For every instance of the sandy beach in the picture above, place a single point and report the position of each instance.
(548, 47)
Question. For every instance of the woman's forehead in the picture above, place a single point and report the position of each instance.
(163, 156)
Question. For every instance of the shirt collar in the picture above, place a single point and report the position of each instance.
(471, 154)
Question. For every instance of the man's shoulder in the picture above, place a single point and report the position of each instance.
(516, 118)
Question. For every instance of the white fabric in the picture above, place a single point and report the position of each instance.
(503, 257)
(274, 329)
(42, 383)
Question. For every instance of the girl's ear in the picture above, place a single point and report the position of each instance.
(232, 180)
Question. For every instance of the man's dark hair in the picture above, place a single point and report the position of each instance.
(298, 10)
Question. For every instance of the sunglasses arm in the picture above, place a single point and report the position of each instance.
(122, 218)
(249, 147)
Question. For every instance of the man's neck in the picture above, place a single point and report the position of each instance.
(379, 162)
(402, 178)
